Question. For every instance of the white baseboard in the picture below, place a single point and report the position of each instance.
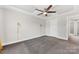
(58, 37)
(21, 40)
(32, 38)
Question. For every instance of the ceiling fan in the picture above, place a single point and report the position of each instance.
(45, 11)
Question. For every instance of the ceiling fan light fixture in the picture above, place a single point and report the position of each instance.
(45, 13)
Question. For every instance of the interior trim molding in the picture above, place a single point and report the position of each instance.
(58, 37)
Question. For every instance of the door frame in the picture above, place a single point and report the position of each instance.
(75, 21)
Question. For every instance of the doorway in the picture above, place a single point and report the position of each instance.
(74, 27)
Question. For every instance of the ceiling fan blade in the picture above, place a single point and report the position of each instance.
(39, 10)
(49, 7)
(39, 13)
(51, 11)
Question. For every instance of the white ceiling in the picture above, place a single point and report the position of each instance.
(60, 9)
(31, 8)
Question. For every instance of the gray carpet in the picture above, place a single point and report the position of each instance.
(42, 45)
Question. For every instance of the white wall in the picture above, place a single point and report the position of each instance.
(29, 26)
(51, 27)
(62, 27)
(1, 25)
(57, 27)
